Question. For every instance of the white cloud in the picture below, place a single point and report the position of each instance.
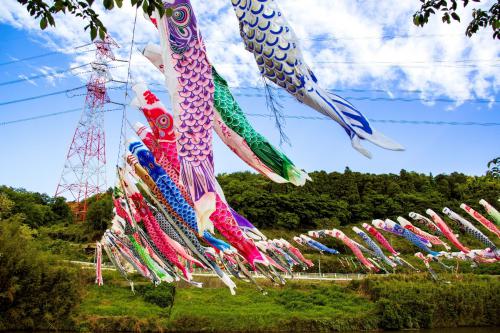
(356, 54)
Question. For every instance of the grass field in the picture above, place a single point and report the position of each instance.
(298, 306)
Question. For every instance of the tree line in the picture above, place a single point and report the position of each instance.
(339, 199)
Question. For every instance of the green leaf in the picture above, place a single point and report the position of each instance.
(102, 33)
(108, 4)
(145, 6)
(119, 3)
(93, 32)
(455, 16)
(51, 20)
(43, 23)
(416, 20)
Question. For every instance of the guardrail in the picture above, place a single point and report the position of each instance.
(295, 276)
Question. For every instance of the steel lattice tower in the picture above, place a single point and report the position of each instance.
(84, 172)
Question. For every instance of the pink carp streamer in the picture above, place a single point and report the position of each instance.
(481, 219)
(380, 239)
(447, 232)
(357, 252)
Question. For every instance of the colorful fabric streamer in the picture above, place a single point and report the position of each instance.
(469, 228)
(376, 249)
(393, 227)
(354, 248)
(190, 83)
(495, 214)
(447, 232)
(233, 127)
(481, 219)
(419, 232)
(167, 188)
(306, 241)
(426, 222)
(380, 239)
(268, 36)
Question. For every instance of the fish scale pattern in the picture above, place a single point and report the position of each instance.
(380, 238)
(378, 251)
(481, 219)
(191, 88)
(154, 231)
(221, 217)
(467, 227)
(271, 40)
(234, 117)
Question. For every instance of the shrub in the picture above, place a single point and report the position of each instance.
(162, 295)
(34, 293)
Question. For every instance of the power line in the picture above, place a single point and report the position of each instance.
(54, 74)
(389, 121)
(47, 54)
(41, 96)
(48, 115)
(294, 117)
(34, 77)
(355, 98)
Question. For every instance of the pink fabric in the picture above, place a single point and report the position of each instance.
(447, 232)
(355, 249)
(481, 219)
(165, 154)
(380, 239)
(156, 234)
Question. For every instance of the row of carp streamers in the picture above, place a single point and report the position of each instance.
(373, 258)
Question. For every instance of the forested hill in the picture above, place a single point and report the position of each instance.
(333, 199)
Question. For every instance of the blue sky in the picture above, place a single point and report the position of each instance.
(34, 151)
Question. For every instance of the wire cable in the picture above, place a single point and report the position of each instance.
(41, 96)
(47, 54)
(34, 77)
(389, 121)
(293, 117)
(48, 115)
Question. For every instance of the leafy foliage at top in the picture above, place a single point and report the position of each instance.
(494, 168)
(481, 18)
(45, 12)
